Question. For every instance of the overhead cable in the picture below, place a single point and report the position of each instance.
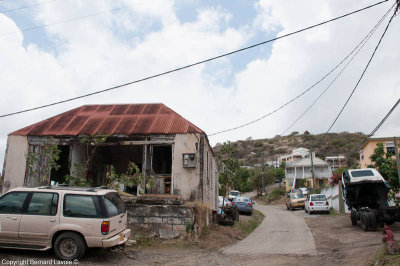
(358, 48)
(376, 128)
(363, 73)
(194, 64)
(71, 19)
(28, 6)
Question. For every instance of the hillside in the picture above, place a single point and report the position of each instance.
(334, 144)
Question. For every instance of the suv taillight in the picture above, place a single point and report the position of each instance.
(327, 203)
(249, 204)
(105, 227)
(311, 204)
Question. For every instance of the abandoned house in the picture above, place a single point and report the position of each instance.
(160, 142)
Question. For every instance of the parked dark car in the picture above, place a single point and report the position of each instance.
(244, 204)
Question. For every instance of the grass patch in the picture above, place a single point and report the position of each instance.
(381, 258)
(249, 226)
(333, 212)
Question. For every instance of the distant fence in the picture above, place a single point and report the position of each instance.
(334, 197)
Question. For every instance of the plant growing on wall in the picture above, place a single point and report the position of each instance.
(80, 177)
(40, 160)
(132, 177)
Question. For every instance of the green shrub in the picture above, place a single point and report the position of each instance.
(276, 194)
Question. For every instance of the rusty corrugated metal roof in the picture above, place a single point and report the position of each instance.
(118, 119)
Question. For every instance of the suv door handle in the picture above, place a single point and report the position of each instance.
(52, 220)
(12, 218)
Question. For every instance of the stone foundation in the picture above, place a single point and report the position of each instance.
(168, 221)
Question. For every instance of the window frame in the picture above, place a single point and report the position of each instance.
(30, 195)
(24, 205)
(96, 201)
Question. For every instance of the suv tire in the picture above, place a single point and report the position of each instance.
(69, 246)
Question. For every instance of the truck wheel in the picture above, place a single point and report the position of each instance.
(353, 217)
(372, 221)
(364, 221)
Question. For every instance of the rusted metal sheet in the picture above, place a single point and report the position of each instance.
(123, 119)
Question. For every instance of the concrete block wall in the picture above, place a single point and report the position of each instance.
(159, 218)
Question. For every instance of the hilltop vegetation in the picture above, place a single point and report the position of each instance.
(249, 150)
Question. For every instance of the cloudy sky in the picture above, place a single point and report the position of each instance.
(86, 47)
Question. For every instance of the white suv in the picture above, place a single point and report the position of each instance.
(67, 219)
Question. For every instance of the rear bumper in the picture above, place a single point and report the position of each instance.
(118, 239)
(323, 208)
(297, 205)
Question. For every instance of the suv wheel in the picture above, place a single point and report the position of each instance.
(69, 246)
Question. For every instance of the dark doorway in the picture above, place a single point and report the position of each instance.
(58, 176)
(161, 165)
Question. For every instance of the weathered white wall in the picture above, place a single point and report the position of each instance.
(78, 156)
(15, 162)
(210, 176)
(185, 180)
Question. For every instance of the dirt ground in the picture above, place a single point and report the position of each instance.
(337, 242)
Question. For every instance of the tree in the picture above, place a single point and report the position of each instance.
(229, 166)
(386, 166)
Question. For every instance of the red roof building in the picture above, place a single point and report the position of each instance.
(164, 145)
(120, 119)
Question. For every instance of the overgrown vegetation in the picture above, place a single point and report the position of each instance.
(79, 176)
(40, 160)
(382, 258)
(276, 194)
(387, 167)
(249, 226)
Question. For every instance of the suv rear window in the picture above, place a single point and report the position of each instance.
(114, 204)
(83, 206)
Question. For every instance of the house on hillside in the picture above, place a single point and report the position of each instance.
(160, 142)
(336, 161)
(301, 170)
(369, 146)
(296, 154)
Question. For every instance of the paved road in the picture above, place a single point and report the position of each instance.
(281, 232)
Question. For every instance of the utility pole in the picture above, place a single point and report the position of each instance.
(312, 169)
(396, 152)
(262, 173)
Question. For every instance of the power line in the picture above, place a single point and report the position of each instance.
(288, 102)
(365, 69)
(28, 6)
(194, 64)
(359, 47)
(72, 19)
(374, 130)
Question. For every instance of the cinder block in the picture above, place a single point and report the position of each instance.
(179, 227)
(153, 220)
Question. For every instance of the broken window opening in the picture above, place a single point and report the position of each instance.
(118, 156)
